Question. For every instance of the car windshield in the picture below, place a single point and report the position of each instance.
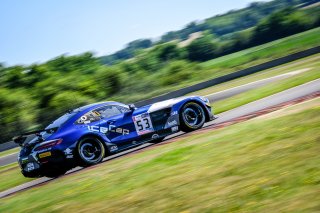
(64, 118)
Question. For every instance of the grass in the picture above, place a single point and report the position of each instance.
(9, 151)
(269, 89)
(268, 51)
(10, 176)
(260, 165)
(307, 62)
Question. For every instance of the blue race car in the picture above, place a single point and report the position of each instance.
(84, 136)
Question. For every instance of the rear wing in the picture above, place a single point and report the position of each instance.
(20, 139)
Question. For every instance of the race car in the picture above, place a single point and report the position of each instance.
(86, 135)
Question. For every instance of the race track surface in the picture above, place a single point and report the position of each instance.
(285, 96)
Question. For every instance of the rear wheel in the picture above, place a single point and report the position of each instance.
(90, 151)
(192, 117)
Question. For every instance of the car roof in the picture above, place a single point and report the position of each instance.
(84, 109)
(95, 105)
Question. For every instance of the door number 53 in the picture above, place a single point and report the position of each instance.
(143, 124)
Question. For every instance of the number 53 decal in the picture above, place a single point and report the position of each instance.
(143, 123)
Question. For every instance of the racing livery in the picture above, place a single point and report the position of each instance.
(84, 136)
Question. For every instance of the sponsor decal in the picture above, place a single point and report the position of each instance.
(172, 123)
(44, 154)
(68, 153)
(113, 148)
(174, 113)
(155, 136)
(96, 113)
(105, 130)
(174, 128)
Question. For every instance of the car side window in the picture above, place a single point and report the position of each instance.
(123, 109)
(108, 111)
(89, 117)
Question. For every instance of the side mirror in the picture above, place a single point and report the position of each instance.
(132, 107)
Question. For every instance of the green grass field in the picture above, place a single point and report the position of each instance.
(10, 176)
(263, 165)
(268, 51)
(269, 89)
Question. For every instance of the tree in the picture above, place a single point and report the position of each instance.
(17, 113)
(167, 51)
(139, 44)
(280, 24)
(176, 71)
(201, 49)
(14, 76)
(109, 79)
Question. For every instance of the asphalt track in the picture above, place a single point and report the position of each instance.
(212, 97)
(287, 95)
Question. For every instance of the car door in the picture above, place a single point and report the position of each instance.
(118, 125)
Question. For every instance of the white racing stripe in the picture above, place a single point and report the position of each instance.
(165, 104)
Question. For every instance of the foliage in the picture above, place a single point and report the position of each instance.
(202, 49)
(176, 70)
(128, 52)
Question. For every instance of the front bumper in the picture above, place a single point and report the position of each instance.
(210, 115)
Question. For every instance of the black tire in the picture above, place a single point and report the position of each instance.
(90, 151)
(192, 117)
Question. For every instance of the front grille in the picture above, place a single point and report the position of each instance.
(159, 118)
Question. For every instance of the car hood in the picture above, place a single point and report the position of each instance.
(158, 106)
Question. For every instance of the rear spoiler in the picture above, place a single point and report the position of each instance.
(20, 139)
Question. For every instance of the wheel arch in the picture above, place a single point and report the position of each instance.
(206, 113)
(107, 152)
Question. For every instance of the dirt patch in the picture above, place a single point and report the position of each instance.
(192, 37)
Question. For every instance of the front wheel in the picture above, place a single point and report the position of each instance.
(90, 151)
(192, 117)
